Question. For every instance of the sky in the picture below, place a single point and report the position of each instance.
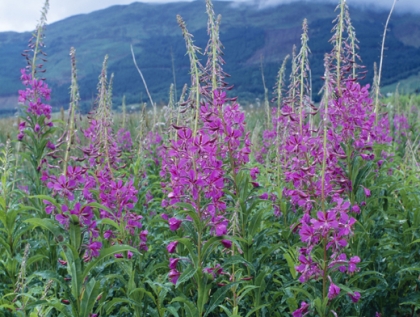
(22, 15)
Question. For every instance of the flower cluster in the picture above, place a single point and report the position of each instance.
(33, 98)
(196, 162)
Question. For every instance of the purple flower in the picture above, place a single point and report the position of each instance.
(333, 290)
(143, 235)
(108, 234)
(174, 223)
(352, 264)
(227, 243)
(367, 191)
(85, 213)
(49, 207)
(63, 219)
(173, 262)
(93, 248)
(354, 297)
(355, 209)
(171, 247)
(214, 271)
(254, 173)
(302, 311)
(173, 276)
(307, 234)
(50, 145)
(325, 222)
(219, 97)
(264, 196)
(220, 226)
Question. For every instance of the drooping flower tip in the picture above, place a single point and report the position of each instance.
(302, 311)
(367, 191)
(333, 290)
(355, 209)
(227, 243)
(174, 223)
(173, 276)
(254, 173)
(173, 262)
(264, 196)
(354, 297)
(50, 145)
(171, 247)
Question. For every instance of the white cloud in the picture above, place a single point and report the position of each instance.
(22, 15)
(401, 5)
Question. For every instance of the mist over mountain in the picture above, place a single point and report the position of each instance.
(401, 6)
(250, 36)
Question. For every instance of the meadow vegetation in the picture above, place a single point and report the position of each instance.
(207, 208)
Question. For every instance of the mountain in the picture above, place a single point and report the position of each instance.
(248, 34)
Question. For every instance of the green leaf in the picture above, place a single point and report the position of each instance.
(190, 308)
(291, 264)
(209, 244)
(47, 224)
(104, 254)
(186, 275)
(47, 198)
(92, 291)
(190, 248)
(303, 291)
(217, 298)
(190, 211)
(255, 310)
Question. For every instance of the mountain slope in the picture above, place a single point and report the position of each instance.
(247, 34)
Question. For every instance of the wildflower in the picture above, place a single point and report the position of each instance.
(143, 235)
(354, 297)
(352, 264)
(49, 207)
(325, 222)
(264, 196)
(227, 243)
(214, 271)
(333, 290)
(173, 276)
(355, 209)
(254, 173)
(93, 249)
(171, 247)
(108, 234)
(174, 223)
(85, 214)
(173, 262)
(367, 191)
(302, 311)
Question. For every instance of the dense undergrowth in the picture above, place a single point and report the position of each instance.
(205, 208)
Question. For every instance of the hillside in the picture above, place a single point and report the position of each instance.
(246, 32)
